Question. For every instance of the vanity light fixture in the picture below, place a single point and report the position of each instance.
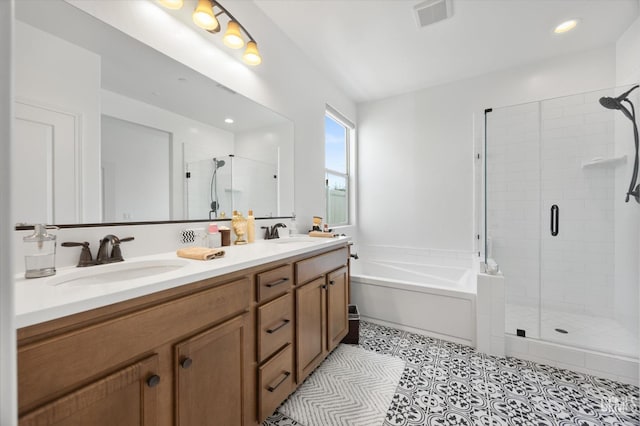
(566, 26)
(205, 16)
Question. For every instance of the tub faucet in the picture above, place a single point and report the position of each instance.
(116, 254)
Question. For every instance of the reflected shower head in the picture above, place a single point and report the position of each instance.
(616, 103)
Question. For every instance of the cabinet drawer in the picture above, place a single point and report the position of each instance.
(275, 382)
(51, 367)
(274, 282)
(275, 326)
(309, 269)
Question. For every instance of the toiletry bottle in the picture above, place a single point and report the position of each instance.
(214, 238)
(293, 226)
(251, 227)
(40, 253)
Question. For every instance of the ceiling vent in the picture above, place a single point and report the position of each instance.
(431, 11)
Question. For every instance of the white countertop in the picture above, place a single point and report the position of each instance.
(39, 300)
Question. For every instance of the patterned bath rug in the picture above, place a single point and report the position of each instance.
(352, 387)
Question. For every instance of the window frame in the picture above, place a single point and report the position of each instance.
(347, 175)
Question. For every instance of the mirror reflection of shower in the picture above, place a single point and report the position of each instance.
(616, 103)
(213, 188)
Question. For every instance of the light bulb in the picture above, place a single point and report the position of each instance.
(566, 26)
(171, 4)
(204, 17)
(233, 38)
(251, 55)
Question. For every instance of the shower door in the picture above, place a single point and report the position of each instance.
(513, 212)
(560, 230)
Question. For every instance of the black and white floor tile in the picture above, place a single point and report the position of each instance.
(450, 384)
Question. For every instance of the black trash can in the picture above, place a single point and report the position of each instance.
(353, 337)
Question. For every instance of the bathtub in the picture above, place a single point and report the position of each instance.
(430, 299)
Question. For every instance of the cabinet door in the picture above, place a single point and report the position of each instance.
(126, 397)
(310, 326)
(210, 372)
(337, 307)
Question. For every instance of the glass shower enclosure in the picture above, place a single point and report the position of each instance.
(217, 186)
(556, 176)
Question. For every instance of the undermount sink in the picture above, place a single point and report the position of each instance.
(114, 272)
(296, 240)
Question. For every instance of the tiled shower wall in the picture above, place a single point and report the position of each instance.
(535, 159)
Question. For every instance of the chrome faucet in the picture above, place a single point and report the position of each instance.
(116, 254)
(272, 233)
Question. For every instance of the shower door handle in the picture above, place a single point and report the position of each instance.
(555, 219)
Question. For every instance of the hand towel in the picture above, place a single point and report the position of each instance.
(200, 253)
(321, 234)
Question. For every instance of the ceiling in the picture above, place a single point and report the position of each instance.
(374, 49)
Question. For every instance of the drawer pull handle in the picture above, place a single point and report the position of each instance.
(186, 362)
(153, 381)
(282, 324)
(285, 375)
(275, 283)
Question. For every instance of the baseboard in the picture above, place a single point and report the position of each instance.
(418, 331)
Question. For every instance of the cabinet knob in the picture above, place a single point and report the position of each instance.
(186, 362)
(332, 282)
(324, 286)
(153, 381)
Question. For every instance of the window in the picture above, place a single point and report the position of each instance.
(338, 133)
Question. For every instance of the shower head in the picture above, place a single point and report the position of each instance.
(218, 163)
(616, 103)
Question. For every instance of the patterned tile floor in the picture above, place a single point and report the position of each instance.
(450, 384)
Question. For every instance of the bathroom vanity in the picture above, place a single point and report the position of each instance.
(220, 343)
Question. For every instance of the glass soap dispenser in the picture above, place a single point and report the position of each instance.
(40, 253)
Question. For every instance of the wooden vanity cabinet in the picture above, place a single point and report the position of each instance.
(129, 367)
(322, 294)
(222, 351)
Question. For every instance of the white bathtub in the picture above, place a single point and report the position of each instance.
(431, 299)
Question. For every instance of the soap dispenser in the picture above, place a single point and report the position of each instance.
(40, 252)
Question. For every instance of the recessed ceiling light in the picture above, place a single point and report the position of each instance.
(228, 120)
(566, 26)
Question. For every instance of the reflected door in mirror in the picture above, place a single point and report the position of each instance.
(44, 163)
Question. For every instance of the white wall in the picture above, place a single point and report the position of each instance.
(285, 82)
(416, 151)
(145, 169)
(8, 393)
(55, 73)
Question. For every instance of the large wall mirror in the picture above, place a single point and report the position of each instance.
(108, 129)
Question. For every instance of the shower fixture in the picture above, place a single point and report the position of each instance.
(213, 188)
(617, 103)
